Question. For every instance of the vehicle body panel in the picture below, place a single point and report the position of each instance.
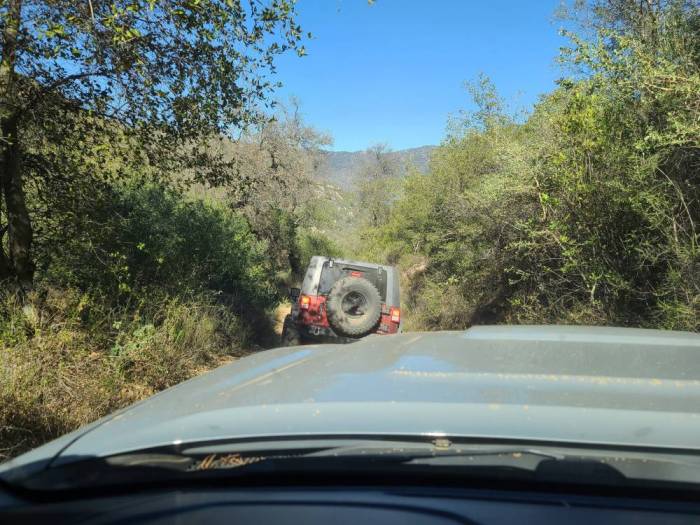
(313, 321)
(312, 278)
(627, 387)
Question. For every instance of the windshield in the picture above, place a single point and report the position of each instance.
(349, 218)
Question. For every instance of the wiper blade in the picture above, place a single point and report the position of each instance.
(376, 447)
(363, 454)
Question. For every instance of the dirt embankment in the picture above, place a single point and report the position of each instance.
(278, 316)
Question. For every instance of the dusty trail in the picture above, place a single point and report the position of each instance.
(278, 316)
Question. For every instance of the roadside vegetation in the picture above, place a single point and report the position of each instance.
(585, 211)
(139, 247)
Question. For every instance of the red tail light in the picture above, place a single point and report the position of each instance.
(395, 314)
(304, 302)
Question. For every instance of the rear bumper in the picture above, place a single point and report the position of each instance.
(312, 320)
(321, 334)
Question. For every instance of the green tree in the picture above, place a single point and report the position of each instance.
(377, 184)
(167, 74)
(277, 162)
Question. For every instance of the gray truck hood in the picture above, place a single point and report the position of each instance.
(564, 384)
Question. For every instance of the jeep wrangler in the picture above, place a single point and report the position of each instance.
(341, 301)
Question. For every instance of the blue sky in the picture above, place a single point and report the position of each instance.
(394, 71)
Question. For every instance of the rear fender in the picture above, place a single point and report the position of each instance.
(315, 315)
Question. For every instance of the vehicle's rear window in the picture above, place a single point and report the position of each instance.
(331, 274)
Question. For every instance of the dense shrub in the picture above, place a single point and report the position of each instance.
(147, 236)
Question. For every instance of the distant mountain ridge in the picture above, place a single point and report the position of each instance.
(342, 168)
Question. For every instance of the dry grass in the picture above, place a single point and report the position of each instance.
(66, 360)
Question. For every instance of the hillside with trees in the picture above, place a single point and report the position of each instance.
(156, 203)
(344, 168)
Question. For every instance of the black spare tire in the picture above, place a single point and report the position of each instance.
(354, 307)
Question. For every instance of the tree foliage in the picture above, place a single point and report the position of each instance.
(277, 191)
(377, 185)
(165, 76)
(587, 212)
